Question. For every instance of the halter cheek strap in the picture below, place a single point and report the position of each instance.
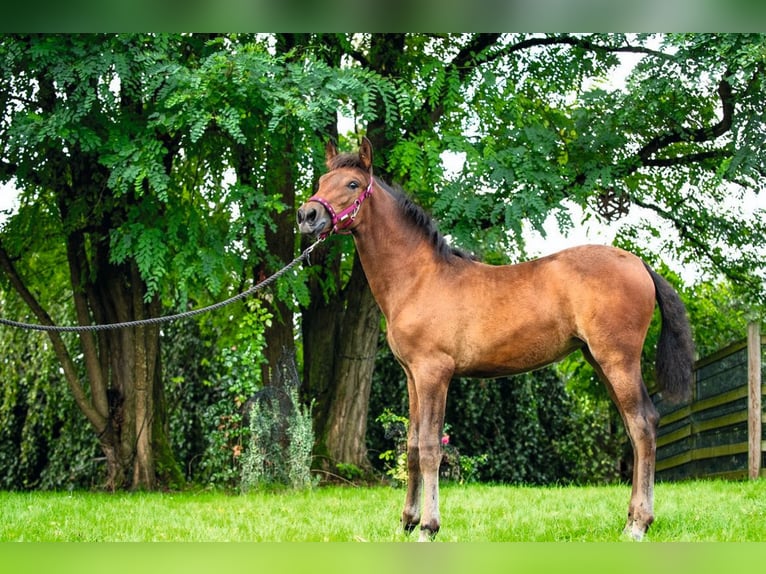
(344, 219)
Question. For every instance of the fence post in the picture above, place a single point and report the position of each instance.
(754, 408)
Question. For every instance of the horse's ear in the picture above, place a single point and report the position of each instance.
(365, 153)
(330, 151)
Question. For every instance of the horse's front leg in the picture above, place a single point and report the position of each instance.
(411, 512)
(430, 458)
(432, 403)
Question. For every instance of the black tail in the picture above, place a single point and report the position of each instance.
(675, 349)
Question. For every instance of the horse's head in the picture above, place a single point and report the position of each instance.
(340, 194)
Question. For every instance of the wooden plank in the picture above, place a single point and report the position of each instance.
(754, 409)
(721, 399)
(717, 356)
(675, 415)
(704, 404)
(724, 421)
(702, 453)
(678, 434)
(695, 428)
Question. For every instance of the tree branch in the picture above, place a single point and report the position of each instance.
(474, 50)
(699, 135)
(77, 259)
(568, 40)
(7, 170)
(70, 372)
(685, 159)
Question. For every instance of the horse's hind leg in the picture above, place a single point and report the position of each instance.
(641, 420)
(625, 384)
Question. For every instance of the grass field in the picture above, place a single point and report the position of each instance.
(691, 511)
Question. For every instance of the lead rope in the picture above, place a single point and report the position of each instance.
(167, 318)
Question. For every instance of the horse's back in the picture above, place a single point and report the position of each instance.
(599, 275)
(593, 261)
(586, 274)
(515, 318)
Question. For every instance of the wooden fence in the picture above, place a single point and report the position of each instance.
(720, 432)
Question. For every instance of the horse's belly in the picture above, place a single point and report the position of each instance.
(488, 342)
(512, 357)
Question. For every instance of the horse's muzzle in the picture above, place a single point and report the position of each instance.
(312, 219)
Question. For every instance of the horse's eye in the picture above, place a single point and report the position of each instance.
(353, 185)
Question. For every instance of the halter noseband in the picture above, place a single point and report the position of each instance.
(342, 220)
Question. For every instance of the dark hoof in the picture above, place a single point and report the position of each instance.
(429, 531)
(410, 526)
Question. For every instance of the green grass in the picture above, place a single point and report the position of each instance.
(691, 511)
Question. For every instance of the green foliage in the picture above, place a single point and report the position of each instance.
(533, 431)
(212, 373)
(279, 447)
(469, 467)
(236, 376)
(45, 443)
(349, 472)
(394, 459)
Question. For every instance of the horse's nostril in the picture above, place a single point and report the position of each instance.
(307, 215)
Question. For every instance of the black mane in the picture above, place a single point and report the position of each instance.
(419, 219)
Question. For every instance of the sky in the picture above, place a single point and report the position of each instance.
(8, 201)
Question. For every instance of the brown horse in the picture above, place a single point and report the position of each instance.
(448, 315)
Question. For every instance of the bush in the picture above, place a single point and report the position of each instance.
(454, 466)
(210, 377)
(45, 441)
(280, 443)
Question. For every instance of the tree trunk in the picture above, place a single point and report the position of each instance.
(340, 341)
(354, 364)
(280, 338)
(320, 327)
(130, 361)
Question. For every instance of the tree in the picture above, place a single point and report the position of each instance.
(106, 188)
(123, 148)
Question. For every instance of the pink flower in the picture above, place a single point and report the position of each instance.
(445, 439)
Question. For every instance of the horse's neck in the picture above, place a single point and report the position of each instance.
(392, 253)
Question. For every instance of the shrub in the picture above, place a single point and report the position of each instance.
(280, 443)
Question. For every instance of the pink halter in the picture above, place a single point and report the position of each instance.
(345, 218)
